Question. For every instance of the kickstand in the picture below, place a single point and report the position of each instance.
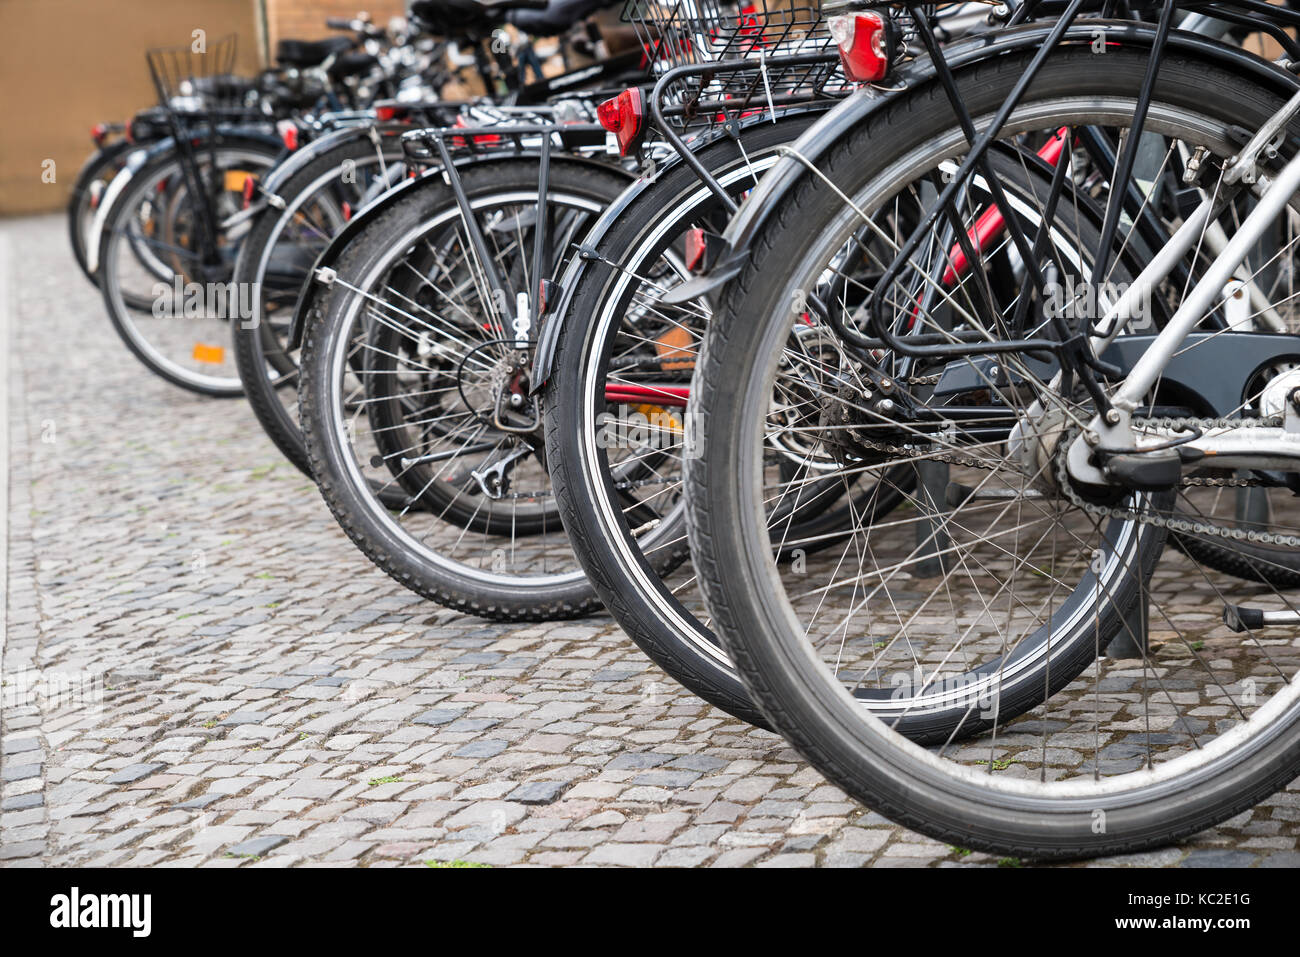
(1131, 642)
(932, 539)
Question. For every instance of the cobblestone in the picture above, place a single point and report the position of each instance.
(253, 693)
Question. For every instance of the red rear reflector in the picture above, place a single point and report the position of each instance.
(289, 136)
(482, 139)
(863, 45)
(250, 186)
(624, 116)
(385, 112)
(695, 247)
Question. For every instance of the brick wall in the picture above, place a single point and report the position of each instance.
(305, 19)
(71, 63)
(81, 62)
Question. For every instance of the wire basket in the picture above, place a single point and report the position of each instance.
(199, 78)
(675, 33)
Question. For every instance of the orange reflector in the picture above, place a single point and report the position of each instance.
(660, 417)
(235, 180)
(675, 349)
(206, 353)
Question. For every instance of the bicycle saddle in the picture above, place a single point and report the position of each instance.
(460, 17)
(352, 64)
(557, 17)
(303, 53)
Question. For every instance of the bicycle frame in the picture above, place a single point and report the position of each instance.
(938, 68)
(1112, 428)
(1079, 353)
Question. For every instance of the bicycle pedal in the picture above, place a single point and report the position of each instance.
(1145, 471)
(1241, 618)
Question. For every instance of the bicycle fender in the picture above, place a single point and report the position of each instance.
(134, 161)
(313, 150)
(376, 207)
(103, 153)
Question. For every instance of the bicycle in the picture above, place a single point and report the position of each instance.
(1054, 456)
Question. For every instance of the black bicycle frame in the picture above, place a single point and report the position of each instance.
(542, 252)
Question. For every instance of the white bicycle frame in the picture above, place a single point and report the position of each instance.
(1255, 447)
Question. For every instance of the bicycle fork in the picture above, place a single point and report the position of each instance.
(498, 295)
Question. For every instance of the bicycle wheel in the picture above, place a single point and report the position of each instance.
(616, 403)
(94, 176)
(626, 528)
(412, 383)
(1111, 756)
(149, 253)
(274, 261)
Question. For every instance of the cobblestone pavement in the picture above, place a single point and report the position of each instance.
(200, 669)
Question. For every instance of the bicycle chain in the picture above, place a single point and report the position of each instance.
(1168, 522)
(642, 483)
(547, 493)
